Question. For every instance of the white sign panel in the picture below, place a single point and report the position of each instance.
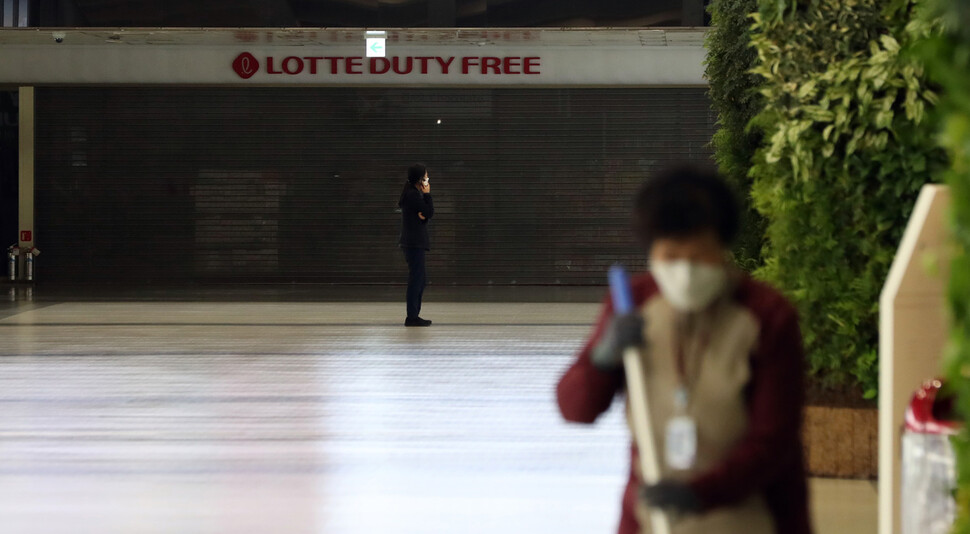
(572, 60)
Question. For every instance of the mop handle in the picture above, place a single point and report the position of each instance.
(620, 290)
(636, 393)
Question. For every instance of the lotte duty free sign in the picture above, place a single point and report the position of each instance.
(248, 65)
(326, 57)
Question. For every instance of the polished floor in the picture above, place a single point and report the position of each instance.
(177, 416)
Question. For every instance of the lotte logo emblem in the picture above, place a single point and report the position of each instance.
(245, 65)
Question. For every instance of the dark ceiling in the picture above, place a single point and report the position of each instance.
(365, 13)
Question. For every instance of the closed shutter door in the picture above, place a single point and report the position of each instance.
(531, 186)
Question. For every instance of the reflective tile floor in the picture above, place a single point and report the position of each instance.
(300, 417)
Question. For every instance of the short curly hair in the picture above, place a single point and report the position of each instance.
(685, 201)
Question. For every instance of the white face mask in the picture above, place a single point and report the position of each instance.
(689, 286)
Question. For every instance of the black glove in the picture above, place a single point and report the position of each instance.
(670, 496)
(622, 332)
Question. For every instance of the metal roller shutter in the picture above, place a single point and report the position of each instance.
(531, 186)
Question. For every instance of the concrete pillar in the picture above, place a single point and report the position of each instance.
(26, 233)
(15, 13)
(23, 14)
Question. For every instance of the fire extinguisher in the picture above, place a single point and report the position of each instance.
(29, 260)
(12, 252)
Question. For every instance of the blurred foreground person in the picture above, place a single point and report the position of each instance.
(723, 364)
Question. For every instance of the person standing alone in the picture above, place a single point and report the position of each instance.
(417, 208)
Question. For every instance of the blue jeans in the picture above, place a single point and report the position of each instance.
(417, 279)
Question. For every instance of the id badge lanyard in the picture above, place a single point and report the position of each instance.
(680, 438)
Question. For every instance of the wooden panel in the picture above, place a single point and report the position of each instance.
(840, 442)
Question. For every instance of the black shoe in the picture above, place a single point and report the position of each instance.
(416, 321)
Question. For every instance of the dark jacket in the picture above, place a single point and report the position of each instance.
(414, 231)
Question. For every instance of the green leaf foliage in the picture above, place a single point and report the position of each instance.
(947, 56)
(848, 145)
(734, 96)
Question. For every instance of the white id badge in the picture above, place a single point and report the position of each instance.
(681, 443)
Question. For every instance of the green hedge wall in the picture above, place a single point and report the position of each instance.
(948, 57)
(847, 148)
(734, 96)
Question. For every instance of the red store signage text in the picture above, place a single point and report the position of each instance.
(246, 65)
